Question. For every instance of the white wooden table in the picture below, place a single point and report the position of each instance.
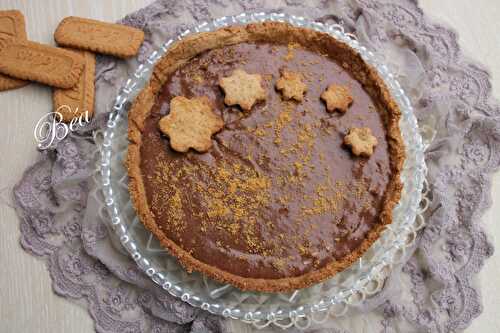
(27, 303)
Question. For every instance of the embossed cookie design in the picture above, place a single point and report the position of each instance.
(12, 25)
(46, 64)
(74, 102)
(108, 38)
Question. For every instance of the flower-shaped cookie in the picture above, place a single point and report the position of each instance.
(361, 141)
(190, 124)
(243, 89)
(291, 86)
(337, 97)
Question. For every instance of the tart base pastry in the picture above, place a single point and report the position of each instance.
(278, 202)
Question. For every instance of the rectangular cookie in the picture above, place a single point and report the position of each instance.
(12, 24)
(101, 37)
(33, 61)
(73, 102)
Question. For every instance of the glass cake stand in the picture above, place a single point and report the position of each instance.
(301, 307)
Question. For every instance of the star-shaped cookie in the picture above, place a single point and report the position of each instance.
(190, 124)
(337, 97)
(243, 89)
(361, 141)
(291, 86)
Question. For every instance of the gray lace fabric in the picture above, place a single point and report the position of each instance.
(435, 290)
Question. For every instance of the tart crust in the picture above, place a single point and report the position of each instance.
(279, 33)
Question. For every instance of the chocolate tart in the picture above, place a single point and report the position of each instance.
(279, 202)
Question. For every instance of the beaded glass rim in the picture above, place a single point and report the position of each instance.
(299, 308)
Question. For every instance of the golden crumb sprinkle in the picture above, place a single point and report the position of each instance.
(290, 51)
